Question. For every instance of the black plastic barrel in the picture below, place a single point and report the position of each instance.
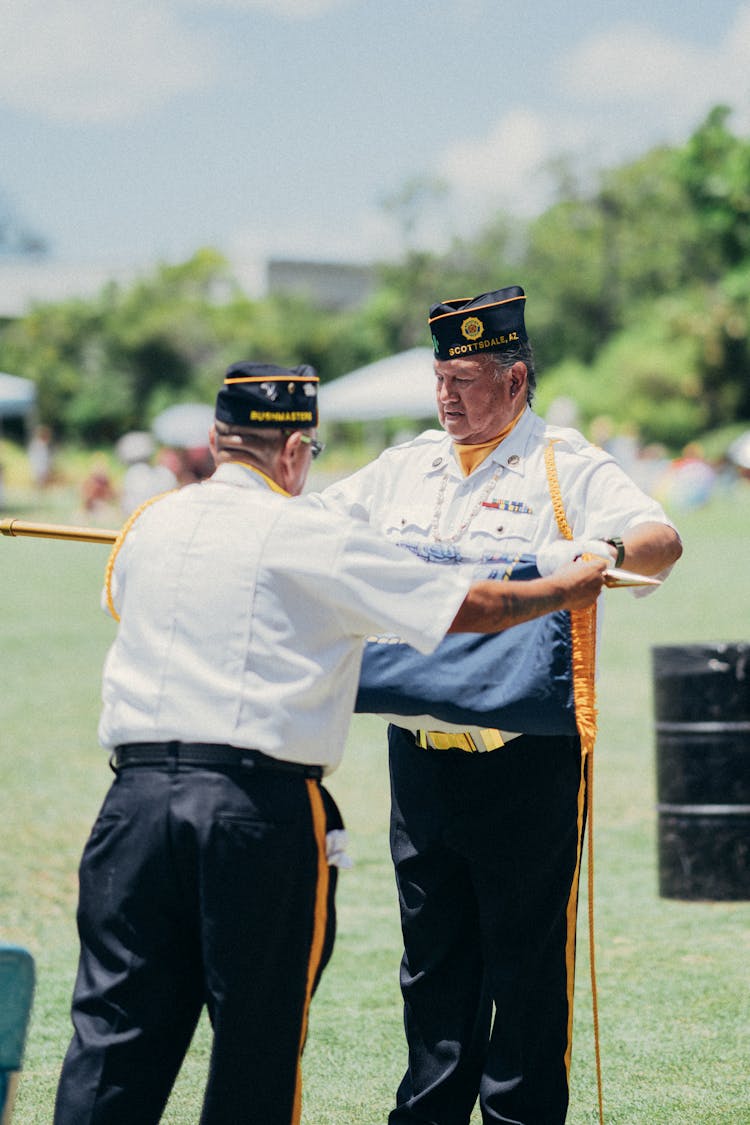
(702, 713)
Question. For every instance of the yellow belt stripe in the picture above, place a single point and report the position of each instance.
(459, 740)
(320, 920)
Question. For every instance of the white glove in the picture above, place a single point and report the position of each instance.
(336, 842)
(563, 551)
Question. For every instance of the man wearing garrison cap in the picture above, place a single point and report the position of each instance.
(209, 875)
(486, 823)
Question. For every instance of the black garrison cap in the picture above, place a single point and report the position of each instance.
(491, 322)
(262, 394)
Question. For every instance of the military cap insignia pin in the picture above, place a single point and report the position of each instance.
(472, 328)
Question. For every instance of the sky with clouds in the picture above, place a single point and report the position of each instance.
(139, 130)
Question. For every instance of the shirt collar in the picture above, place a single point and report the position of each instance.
(245, 475)
(470, 457)
(510, 453)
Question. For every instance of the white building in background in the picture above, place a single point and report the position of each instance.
(27, 281)
(333, 285)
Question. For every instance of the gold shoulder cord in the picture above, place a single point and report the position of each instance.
(118, 544)
(583, 634)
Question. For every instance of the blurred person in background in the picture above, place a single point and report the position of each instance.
(40, 456)
(146, 475)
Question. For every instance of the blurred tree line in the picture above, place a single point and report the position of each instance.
(639, 308)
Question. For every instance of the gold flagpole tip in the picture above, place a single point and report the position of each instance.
(615, 577)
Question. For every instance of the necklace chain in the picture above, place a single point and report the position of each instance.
(456, 535)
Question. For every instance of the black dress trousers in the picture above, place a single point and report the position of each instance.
(487, 851)
(199, 887)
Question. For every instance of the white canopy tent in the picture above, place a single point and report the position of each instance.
(399, 386)
(184, 426)
(17, 396)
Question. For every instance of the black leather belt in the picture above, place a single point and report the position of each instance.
(208, 755)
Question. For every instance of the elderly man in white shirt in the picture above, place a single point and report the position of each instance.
(487, 825)
(227, 693)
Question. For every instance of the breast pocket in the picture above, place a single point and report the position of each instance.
(505, 527)
(408, 523)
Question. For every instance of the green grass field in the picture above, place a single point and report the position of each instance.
(673, 976)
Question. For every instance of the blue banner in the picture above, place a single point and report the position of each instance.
(518, 680)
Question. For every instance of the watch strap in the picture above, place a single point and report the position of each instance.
(619, 546)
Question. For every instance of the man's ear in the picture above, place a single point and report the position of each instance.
(212, 442)
(292, 467)
(517, 375)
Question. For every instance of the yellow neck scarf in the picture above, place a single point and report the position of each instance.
(471, 456)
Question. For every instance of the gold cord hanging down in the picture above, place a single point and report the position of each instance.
(583, 628)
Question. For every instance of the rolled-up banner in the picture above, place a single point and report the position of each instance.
(517, 680)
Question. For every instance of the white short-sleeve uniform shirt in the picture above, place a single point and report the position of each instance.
(243, 614)
(417, 495)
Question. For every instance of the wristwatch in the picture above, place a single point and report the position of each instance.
(619, 546)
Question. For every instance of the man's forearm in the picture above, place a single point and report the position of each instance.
(651, 548)
(491, 607)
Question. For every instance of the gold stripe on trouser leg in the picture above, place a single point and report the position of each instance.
(319, 929)
(570, 944)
